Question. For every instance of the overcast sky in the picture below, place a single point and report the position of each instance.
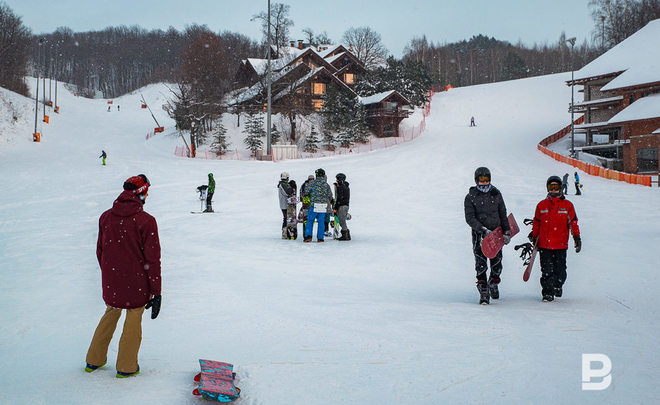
(397, 21)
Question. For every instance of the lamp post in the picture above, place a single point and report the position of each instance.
(572, 42)
(268, 135)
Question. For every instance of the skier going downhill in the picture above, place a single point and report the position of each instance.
(485, 211)
(554, 219)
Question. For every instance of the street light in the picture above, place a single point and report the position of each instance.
(572, 42)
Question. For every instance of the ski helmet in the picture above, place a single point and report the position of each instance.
(137, 184)
(341, 177)
(284, 176)
(553, 179)
(320, 173)
(482, 172)
(556, 188)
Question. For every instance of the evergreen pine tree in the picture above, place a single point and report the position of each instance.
(312, 141)
(254, 128)
(220, 143)
(275, 135)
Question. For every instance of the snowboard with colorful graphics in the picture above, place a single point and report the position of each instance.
(292, 217)
(216, 381)
(494, 241)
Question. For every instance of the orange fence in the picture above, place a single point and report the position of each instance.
(588, 168)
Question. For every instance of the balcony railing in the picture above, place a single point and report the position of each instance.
(387, 112)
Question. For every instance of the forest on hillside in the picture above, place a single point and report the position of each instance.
(117, 60)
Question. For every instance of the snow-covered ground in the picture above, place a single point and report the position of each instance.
(388, 318)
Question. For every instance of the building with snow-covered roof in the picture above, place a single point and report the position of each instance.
(299, 82)
(622, 101)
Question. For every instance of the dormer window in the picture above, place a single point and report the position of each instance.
(349, 78)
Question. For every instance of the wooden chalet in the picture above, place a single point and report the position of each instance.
(622, 104)
(385, 111)
(300, 79)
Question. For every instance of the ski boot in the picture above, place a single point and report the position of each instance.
(548, 298)
(345, 235)
(484, 296)
(492, 287)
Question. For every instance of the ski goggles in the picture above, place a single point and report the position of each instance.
(554, 187)
(482, 179)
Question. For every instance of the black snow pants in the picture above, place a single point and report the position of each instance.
(553, 270)
(481, 261)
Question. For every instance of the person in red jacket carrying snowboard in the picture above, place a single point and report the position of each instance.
(128, 252)
(554, 221)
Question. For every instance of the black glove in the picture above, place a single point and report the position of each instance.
(507, 237)
(578, 243)
(154, 304)
(531, 237)
(484, 231)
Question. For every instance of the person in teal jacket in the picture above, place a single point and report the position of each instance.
(209, 195)
(320, 196)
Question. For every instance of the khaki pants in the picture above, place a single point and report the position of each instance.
(129, 344)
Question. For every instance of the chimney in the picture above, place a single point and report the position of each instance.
(300, 44)
(293, 44)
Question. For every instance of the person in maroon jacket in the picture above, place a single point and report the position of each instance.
(128, 251)
(554, 220)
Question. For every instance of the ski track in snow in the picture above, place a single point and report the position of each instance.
(388, 318)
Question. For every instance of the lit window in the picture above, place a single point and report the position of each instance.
(317, 104)
(349, 78)
(318, 88)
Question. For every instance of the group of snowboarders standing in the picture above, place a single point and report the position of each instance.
(554, 221)
(318, 204)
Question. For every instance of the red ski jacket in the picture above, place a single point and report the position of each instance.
(128, 251)
(553, 219)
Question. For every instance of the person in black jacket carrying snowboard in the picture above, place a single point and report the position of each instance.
(485, 211)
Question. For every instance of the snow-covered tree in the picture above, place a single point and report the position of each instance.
(345, 117)
(220, 142)
(312, 141)
(275, 134)
(254, 130)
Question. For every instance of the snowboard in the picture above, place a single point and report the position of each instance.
(336, 228)
(494, 241)
(528, 269)
(291, 217)
(216, 381)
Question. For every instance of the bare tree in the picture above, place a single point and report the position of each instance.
(616, 20)
(14, 50)
(366, 44)
(280, 23)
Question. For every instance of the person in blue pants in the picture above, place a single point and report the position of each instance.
(320, 196)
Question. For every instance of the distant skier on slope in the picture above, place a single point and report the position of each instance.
(578, 185)
(485, 211)
(564, 184)
(554, 218)
(103, 157)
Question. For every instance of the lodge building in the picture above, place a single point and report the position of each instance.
(621, 104)
(300, 79)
